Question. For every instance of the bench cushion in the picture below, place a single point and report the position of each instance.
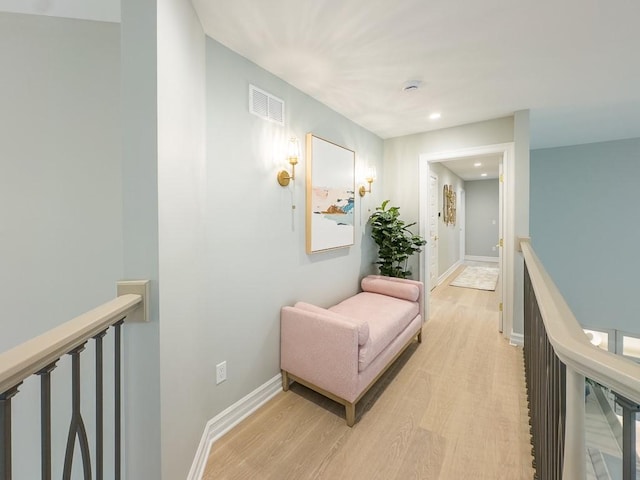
(361, 325)
(386, 317)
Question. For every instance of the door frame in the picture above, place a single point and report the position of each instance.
(428, 282)
(461, 215)
(507, 150)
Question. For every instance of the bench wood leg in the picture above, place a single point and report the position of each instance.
(285, 381)
(420, 336)
(350, 409)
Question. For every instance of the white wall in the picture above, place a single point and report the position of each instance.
(60, 186)
(483, 211)
(402, 155)
(448, 235)
(401, 161)
(521, 209)
(61, 233)
(140, 232)
(185, 346)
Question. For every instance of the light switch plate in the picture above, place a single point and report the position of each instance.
(136, 287)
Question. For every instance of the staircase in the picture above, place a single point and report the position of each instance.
(603, 435)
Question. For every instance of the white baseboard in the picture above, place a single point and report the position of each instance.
(516, 339)
(475, 258)
(229, 418)
(451, 269)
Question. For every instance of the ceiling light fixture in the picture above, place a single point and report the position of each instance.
(483, 174)
(435, 116)
(477, 164)
(411, 86)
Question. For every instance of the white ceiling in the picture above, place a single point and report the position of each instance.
(573, 63)
(466, 168)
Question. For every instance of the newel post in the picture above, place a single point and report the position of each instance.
(574, 441)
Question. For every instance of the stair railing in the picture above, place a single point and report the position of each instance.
(39, 356)
(558, 356)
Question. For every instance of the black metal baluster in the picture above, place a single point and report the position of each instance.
(118, 398)
(45, 420)
(562, 415)
(76, 429)
(99, 408)
(5, 432)
(629, 410)
(545, 375)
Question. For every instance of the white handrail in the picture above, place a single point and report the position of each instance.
(33, 355)
(570, 343)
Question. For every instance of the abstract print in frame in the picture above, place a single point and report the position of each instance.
(330, 195)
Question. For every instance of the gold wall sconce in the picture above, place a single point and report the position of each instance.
(370, 178)
(285, 177)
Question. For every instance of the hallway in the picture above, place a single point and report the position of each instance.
(453, 407)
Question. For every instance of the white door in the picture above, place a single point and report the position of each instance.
(500, 245)
(433, 231)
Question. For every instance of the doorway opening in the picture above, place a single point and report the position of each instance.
(505, 246)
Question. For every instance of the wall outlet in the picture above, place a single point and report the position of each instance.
(221, 372)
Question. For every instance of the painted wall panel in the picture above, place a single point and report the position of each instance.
(482, 202)
(61, 232)
(584, 227)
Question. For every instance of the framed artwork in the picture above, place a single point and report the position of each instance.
(449, 205)
(445, 204)
(330, 195)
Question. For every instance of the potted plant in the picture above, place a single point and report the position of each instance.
(396, 243)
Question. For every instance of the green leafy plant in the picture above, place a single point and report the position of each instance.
(396, 243)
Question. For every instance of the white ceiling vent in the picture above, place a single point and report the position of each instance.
(265, 105)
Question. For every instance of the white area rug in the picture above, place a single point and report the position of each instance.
(480, 278)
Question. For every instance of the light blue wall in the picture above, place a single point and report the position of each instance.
(255, 259)
(61, 218)
(585, 228)
(482, 214)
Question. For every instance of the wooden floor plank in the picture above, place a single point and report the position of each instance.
(453, 407)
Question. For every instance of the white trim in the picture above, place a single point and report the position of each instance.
(229, 418)
(478, 258)
(451, 269)
(462, 221)
(517, 339)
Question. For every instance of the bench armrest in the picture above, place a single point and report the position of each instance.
(321, 348)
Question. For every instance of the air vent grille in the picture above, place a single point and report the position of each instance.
(265, 105)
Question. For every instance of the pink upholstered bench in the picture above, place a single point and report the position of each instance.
(341, 351)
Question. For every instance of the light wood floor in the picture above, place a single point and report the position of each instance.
(453, 407)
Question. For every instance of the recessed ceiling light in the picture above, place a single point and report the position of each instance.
(477, 164)
(483, 174)
(435, 116)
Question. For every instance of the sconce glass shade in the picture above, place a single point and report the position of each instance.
(369, 178)
(371, 174)
(293, 152)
